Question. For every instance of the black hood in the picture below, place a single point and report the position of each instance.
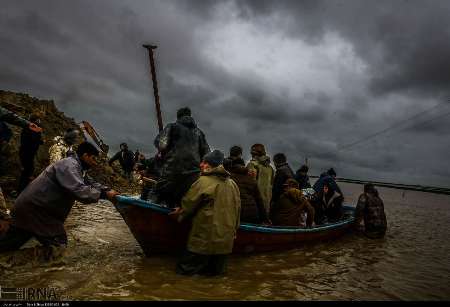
(187, 121)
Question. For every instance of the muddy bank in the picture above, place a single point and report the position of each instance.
(54, 123)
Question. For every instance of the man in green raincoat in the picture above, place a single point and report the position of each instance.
(213, 203)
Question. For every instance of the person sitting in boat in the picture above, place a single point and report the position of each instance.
(283, 173)
(260, 168)
(287, 211)
(302, 177)
(370, 209)
(252, 206)
(213, 204)
(149, 169)
(327, 177)
(328, 204)
(42, 208)
(182, 146)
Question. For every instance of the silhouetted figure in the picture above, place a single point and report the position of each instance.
(126, 160)
(29, 145)
(302, 177)
(370, 209)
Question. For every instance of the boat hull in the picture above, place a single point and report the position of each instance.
(157, 232)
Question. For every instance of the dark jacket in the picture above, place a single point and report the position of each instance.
(183, 146)
(29, 143)
(288, 209)
(303, 180)
(252, 206)
(126, 159)
(325, 178)
(283, 173)
(10, 118)
(371, 208)
(152, 167)
(46, 202)
(329, 205)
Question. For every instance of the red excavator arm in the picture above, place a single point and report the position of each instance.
(89, 130)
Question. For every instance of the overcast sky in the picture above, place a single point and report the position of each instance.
(307, 78)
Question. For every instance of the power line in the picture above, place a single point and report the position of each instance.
(427, 121)
(366, 138)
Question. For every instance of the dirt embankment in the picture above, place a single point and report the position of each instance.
(54, 123)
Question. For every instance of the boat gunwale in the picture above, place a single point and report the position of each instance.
(130, 200)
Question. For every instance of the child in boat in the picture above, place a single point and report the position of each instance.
(287, 211)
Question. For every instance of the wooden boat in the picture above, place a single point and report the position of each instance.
(157, 232)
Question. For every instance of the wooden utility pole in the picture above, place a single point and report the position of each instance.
(150, 49)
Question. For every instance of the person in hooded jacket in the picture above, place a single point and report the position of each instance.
(327, 177)
(302, 177)
(252, 206)
(328, 204)
(213, 205)
(182, 146)
(370, 209)
(260, 168)
(287, 211)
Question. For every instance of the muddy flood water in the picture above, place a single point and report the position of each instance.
(104, 262)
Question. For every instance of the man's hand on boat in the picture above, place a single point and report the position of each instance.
(267, 222)
(176, 212)
(111, 195)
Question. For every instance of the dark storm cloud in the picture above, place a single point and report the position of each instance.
(406, 43)
(384, 61)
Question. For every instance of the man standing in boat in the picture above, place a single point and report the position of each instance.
(213, 204)
(283, 173)
(259, 167)
(182, 146)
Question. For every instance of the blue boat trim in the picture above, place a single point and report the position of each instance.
(124, 201)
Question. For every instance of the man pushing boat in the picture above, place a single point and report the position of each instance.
(42, 208)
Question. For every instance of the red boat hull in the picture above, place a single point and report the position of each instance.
(157, 232)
